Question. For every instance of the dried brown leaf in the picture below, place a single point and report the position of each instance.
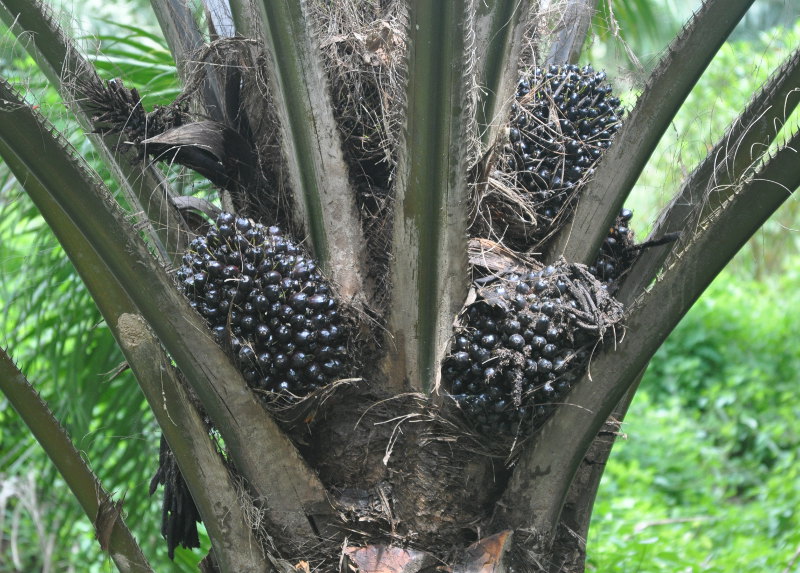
(107, 515)
(383, 559)
(486, 555)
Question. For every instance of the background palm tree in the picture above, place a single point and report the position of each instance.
(373, 223)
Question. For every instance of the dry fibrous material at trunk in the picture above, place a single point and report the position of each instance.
(363, 54)
(249, 109)
(402, 469)
(238, 152)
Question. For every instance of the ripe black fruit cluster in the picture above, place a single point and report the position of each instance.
(562, 121)
(521, 345)
(267, 304)
(616, 253)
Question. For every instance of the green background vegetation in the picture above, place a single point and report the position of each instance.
(707, 479)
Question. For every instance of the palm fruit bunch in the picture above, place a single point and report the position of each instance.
(563, 118)
(617, 253)
(268, 305)
(522, 344)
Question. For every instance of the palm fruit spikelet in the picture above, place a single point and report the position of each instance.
(179, 514)
(522, 344)
(618, 250)
(561, 122)
(268, 305)
(116, 109)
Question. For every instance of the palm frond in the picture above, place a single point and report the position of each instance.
(312, 144)
(429, 246)
(713, 180)
(112, 533)
(499, 27)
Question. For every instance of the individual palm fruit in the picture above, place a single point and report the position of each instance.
(267, 304)
(617, 253)
(522, 344)
(562, 121)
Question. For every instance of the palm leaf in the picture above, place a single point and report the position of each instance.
(713, 180)
(499, 27)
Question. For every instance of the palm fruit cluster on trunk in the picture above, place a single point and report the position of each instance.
(517, 349)
(522, 344)
(563, 119)
(268, 305)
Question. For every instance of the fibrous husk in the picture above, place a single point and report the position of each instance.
(363, 49)
(403, 468)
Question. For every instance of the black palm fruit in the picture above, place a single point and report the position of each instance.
(617, 252)
(562, 121)
(522, 344)
(267, 304)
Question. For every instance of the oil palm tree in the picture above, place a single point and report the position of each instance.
(370, 141)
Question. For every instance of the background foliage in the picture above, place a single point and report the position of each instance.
(708, 477)
(64, 347)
